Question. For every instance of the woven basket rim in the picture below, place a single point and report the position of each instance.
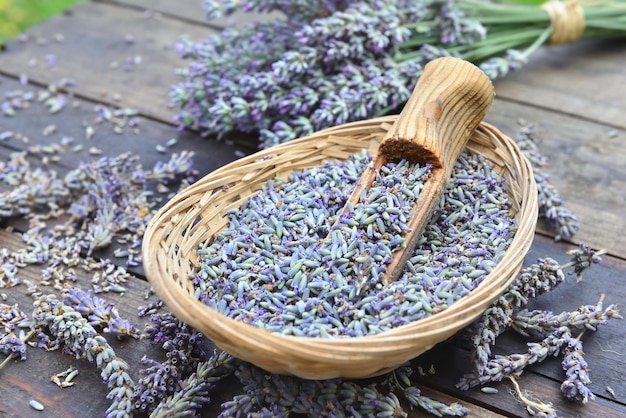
(181, 302)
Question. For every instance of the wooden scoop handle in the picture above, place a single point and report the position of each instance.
(448, 103)
(450, 100)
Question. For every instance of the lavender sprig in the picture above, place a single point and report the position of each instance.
(499, 367)
(194, 389)
(551, 206)
(12, 343)
(582, 258)
(531, 282)
(540, 324)
(576, 370)
(327, 62)
(554, 330)
(74, 333)
(100, 313)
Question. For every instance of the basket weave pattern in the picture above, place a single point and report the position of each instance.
(190, 219)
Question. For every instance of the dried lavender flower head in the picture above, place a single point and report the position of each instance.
(325, 63)
(583, 258)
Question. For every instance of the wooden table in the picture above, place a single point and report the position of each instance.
(576, 95)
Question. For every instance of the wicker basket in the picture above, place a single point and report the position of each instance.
(195, 215)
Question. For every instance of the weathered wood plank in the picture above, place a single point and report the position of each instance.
(96, 53)
(586, 165)
(584, 79)
(110, 137)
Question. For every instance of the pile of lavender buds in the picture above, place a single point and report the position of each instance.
(282, 264)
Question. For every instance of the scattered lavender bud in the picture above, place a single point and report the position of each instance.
(6, 135)
(89, 132)
(36, 405)
(51, 60)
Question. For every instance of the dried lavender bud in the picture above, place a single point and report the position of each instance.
(179, 165)
(577, 378)
(73, 332)
(100, 313)
(582, 258)
(284, 265)
(150, 308)
(11, 322)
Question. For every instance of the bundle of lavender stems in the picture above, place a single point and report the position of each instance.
(315, 64)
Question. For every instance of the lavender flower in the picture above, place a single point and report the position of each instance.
(582, 258)
(532, 281)
(576, 370)
(327, 62)
(499, 367)
(11, 341)
(540, 324)
(100, 313)
(551, 206)
(74, 333)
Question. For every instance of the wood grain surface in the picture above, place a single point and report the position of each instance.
(573, 93)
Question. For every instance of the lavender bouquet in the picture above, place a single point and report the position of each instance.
(321, 63)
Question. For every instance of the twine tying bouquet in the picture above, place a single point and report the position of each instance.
(322, 63)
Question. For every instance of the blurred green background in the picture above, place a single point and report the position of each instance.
(18, 15)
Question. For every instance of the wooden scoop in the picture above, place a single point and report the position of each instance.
(449, 101)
